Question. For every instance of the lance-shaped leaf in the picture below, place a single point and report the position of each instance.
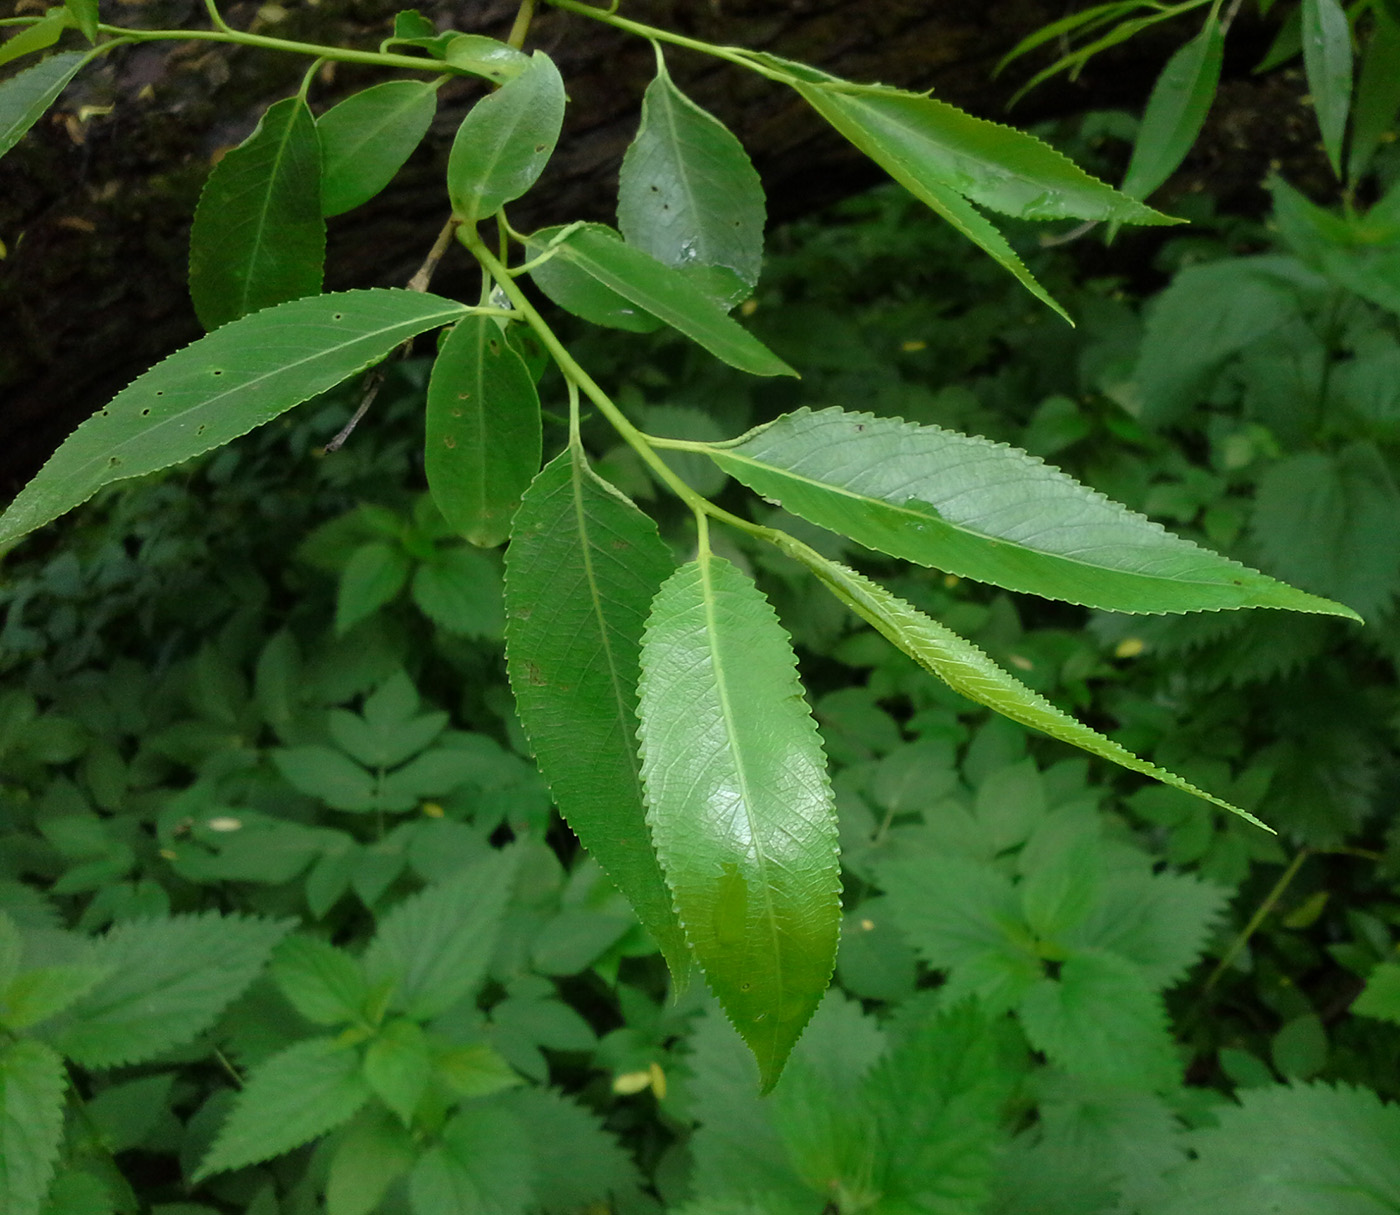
(1176, 111)
(367, 137)
(505, 141)
(1377, 94)
(24, 97)
(222, 386)
(917, 139)
(259, 237)
(576, 291)
(483, 429)
(582, 569)
(1327, 61)
(37, 37)
(983, 510)
(688, 195)
(967, 670)
(32, 1083)
(739, 803)
(666, 293)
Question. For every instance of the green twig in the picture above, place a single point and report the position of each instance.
(1260, 914)
(523, 17)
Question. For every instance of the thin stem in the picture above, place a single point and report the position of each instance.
(523, 17)
(415, 63)
(307, 78)
(575, 437)
(732, 54)
(217, 17)
(424, 274)
(1260, 914)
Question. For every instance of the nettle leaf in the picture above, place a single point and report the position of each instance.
(32, 1084)
(25, 96)
(298, 1094)
(967, 670)
(374, 1151)
(688, 194)
(505, 141)
(983, 510)
(1176, 111)
(222, 386)
(582, 569)
(373, 577)
(1294, 1150)
(398, 1066)
(483, 431)
(665, 293)
(168, 981)
(1101, 1020)
(482, 1164)
(259, 237)
(739, 803)
(434, 947)
(1327, 61)
(1381, 996)
(325, 984)
(366, 139)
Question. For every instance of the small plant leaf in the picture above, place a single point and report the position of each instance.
(222, 386)
(1377, 94)
(84, 15)
(1176, 111)
(688, 195)
(505, 141)
(366, 139)
(258, 237)
(398, 1066)
(486, 57)
(373, 1153)
(916, 138)
(582, 569)
(986, 511)
(666, 293)
(1327, 61)
(25, 96)
(299, 1093)
(325, 984)
(739, 803)
(37, 37)
(32, 1083)
(578, 292)
(483, 431)
(968, 671)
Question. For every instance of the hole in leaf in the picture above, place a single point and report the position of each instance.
(338, 316)
(146, 413)
(218, 372)
(539, 147)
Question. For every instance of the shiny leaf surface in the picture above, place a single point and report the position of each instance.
(366, 139)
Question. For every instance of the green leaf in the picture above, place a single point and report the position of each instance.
(434, 947)
(967, 670)
(688, 195)
(258, 237)
(367, 137)
(576, 291)
(1381, 995)
(1328, 521)
(325, 984)
(398, 1066)
(923, 143)
(222, 386)
(1295, 1150)
(32, 1084)
(295, 1096)
(505, 141)
(169, 980)
(1176, 111)
(983, 510)
(36, 995)
(374, 576)
(483, 431)
(461, 590)
(1377, 95)
(739, 803)
(85, 17)
(486, 57)
(1100, 1020)
(483, 1166)
(582, 569)
(328, 775)
(37, 37)
(1327, 60)
(25, 96)
(374, 1152)
(665, 293)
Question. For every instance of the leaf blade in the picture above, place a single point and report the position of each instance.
(483, 431)
(25, 96)
(32, 1083)
(366, 139)
(582, 569)
(986, 511)
(258, 237)
(1327, 61)
(739, 804)
(264, 365)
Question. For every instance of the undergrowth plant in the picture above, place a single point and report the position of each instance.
(661, 702)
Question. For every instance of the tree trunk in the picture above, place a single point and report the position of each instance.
(95, 204)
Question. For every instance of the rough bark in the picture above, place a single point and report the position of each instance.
(95, 204)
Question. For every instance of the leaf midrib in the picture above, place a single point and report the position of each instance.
(260, 219)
